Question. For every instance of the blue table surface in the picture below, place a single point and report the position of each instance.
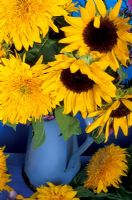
(15, 164)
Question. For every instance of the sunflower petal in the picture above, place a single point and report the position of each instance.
(114, 64)
(101, 7)
(116, 123)
(97, 21)
(115, 11)
(127, 103)
(95, 124)
(107, 130)
(90, 7)
(124, 125)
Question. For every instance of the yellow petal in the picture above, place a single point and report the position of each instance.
(90, 101)
(115, 11)
(122, 52)
(124, 125)
(114, 64)
(93, 114)
(97, 21)
(127, 103)
(130, 119)
(97, 95)
(101, 7)
(85, 15)
(70, 39)
(74, 21)
(90, 7)
(114, 106)
(107, 130)
(125, 36)
(100, 187)
(72, 47)
(95, 124)
(116, 123)
(67, 102)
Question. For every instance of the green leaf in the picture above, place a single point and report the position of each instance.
(39, 133)
(49, 49)
(84, 192)
(80, 178)
(11, 125)
(98, 139)
(68, 124)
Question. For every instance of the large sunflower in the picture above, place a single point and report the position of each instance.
(4, 176)
(118, 114)
(52, 192)
(99, 31)
(21, 96)
(22, 21)
(105, 168)
(80, 85)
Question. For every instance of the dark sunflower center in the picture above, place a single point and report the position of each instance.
(77, 82)
(121, 111)
(101, 39)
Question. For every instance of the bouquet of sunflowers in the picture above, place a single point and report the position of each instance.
(56, 64)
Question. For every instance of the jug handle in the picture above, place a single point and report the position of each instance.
(87, 143)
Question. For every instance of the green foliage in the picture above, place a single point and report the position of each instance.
(39, 133)
(68, 124)
(98, 139)
(48, 48)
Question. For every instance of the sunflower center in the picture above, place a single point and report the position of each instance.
(121, 111)
(24, 89)
(101, 39)
(77, 82)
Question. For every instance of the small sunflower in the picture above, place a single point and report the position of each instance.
(22, 21)
(21, 96)
(99, 31)
(52, 192)
(105, 168)
(118, 114)
(4, 177)
(80, 85)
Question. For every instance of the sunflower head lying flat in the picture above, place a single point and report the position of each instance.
(52, 192)
(4, 177)
(99, 31)
(105, 168)
(22, 22)
(117, 115)
(80, 86)
(21, 96)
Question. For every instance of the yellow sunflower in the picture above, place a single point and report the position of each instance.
(22, 21)
(4, 177)
(51, 191)
(21, 96)
(99, 31)
(105, 168)
(118, 114)
(79, 85)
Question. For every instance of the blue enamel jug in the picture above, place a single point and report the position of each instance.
(56, 160)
